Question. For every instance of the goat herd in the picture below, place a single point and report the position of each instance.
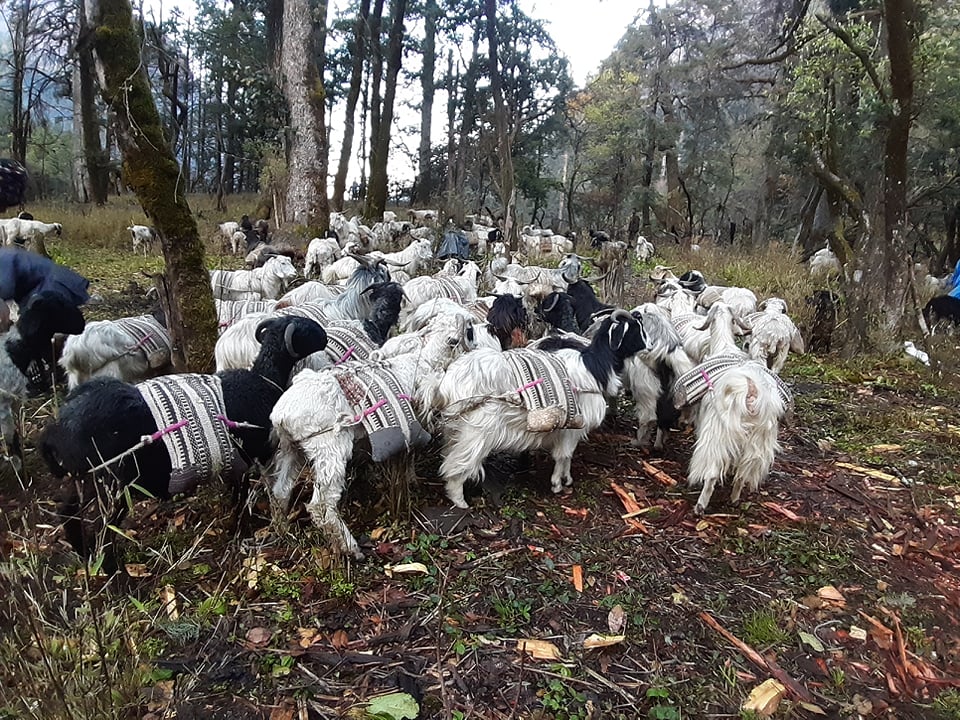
(377, 349)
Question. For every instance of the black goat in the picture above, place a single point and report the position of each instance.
(586, 306)
(508, 321)
(98, 440)
(598, 238)
(942, 308)
(13, 184)
(556, 309)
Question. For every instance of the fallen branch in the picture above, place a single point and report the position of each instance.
(795, 688)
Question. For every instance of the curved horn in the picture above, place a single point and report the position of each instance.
(263, 327)
(288, 340)
(362, 259)
(621, 313)
(392, 262)
(598, 278)
(556, 300)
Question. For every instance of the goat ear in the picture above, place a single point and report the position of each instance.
(762, 305)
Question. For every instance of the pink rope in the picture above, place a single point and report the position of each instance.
(370, 410)
(227, 421)
(160, 433)
(346, 355)
(532, 383)
(706, 379)
(404, 397)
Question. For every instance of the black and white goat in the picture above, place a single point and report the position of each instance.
(318, 420)
(500, 325)
(142, 238)
(651, 374)
(130, 349)
(263, 283)
(738, 415)
(106, 436)
(557, 310)
(479, 395)
(29, 341)
(586, 306)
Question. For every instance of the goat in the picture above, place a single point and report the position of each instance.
(826, 310)
(142, 238)
(106, 435)
(130, 349)
(311, 291)
(557, 310)
(17, 231)
(318, 420)
(13, 184)
(586, 306)
(228, 231)
(598, 238)
(944, 308)
(480, 400)
(376, 307)
(320, 253)
(409, 260)
(643, 249)
(773, 335)
(264, 283)
(824, 263)
(738, 415)
(229, 311)
(461, 287)
(651, 373)
(502, 325)
(28, 342)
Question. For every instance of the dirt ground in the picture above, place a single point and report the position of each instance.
(839, 580)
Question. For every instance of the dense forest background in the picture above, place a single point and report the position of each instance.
(794, 121)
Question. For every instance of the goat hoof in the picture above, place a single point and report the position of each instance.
(699, 509)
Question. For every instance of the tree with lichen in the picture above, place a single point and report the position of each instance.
(151, 171)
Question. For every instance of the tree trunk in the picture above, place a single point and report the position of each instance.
(424, 183)
(376, 201)
(507, 185)
(150, 169)
(307, 202)
(349, 123)
(93, 159)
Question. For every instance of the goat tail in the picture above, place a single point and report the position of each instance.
(748, 396)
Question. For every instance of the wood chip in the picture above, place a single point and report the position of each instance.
(168, 597)
(539, 649)
(578, 577)
(406, 568)
(657, 474)
(829, 592)
(597, 641)
(765, 698)
(877, 474)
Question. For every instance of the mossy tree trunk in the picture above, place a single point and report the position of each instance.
(152, 172)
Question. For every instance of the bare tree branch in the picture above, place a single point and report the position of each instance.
(860, 52)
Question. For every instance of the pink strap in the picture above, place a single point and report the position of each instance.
(370, 410)
(346, 355)
(706, 379)
(532, 383)
(160, 433)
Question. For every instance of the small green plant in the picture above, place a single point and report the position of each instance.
(947, 705)
(512, 612)
(662, 707)
(560, 699)
(838, 678)
(762, 629)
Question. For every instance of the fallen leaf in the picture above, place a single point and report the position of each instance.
(397, 706)
(339, 640)
(702, 525)
(616, 619)
(406, 568)
(539, 649)
(597, 641)
(829, 592)
(306, 637)
(765, 698)
(284, 712)
(815, 709)
(258, 636)
(678, 598)
(578, 578)
(811, 641)
(137, 570)
(378, 533)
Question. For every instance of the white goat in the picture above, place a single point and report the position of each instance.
(773, 335)
(131, 349)
(741, 300)
(142, 237)
(409, 260)
(480, 399)
(643, 249)
(824, 263)
(461, 287)
(320, 253)
(318, 419)
(312, 291)
(265, 283)
(229, 311)
(738, 415)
